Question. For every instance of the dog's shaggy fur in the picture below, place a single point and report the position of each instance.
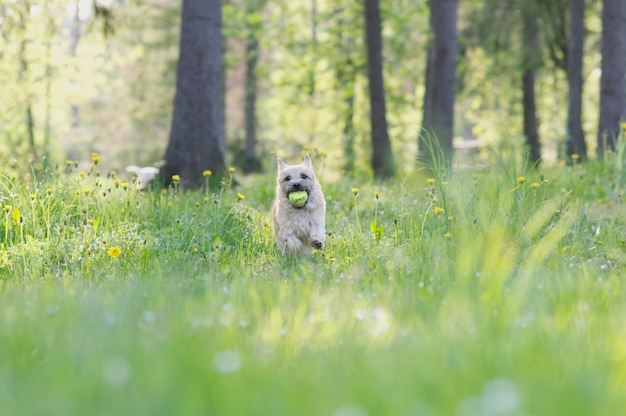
(298, 229)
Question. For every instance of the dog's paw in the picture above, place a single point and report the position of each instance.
(317, 244)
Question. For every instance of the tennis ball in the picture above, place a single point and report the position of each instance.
(298, 198)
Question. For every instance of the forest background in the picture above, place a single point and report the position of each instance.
(82, 77)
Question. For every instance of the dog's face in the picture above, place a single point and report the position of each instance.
(296, 177)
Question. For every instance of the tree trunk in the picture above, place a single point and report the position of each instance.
(435, 141)
(382, 157)
(23, 77)
(251, 163)
(612, 83)
(195, 144)
(346, 72)
(575, 136)
(531, 54)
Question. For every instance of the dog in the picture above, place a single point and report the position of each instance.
(298, 230)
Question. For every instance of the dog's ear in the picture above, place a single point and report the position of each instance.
(307, 160)
(281, 165)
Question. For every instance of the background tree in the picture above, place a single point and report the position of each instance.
(253, 18)
(348, 63)
(382, 157)
(195, 141)
(612, 82)
(310, 77)
(531, 57)
(440, 87)
(23, 76)
(575, 136)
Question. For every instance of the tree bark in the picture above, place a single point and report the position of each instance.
(575, 136)
(382, 158)
(435, 141)
(612, 83)
(195, 142)
(251, 163)
(531, 54)
(23, 77)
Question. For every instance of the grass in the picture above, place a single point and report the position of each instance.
(495, 292)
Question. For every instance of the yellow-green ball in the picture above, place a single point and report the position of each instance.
(298, 198)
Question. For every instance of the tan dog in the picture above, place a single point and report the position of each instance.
(298, 229)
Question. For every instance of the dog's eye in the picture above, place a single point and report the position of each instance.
(287, 178)
(303, 176)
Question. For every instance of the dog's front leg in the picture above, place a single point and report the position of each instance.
(318, 234)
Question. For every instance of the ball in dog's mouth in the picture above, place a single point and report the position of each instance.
(298, 198)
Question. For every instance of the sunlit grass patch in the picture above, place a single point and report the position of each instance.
(451, 295)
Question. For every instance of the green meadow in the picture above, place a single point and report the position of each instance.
(483, 292)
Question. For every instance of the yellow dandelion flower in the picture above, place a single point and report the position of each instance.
(114, 251)
(207, 173)
(521, 179)
(68, 162)
(535, 185)
(197, 204)
(32, 197)
(95, 158)
(125, 185)
(438, 210)
(196, 249)
(175, 178)
(355, 191)
(240, 196)
(83, 175)
(450, 218)
(231, 170)
(430, 181)
(49, 191)
(86, 191)
(16, 214)
(448, 235)
(8, 208)
(435, 199)
(117, 182)
(575, 156)
(623, 126)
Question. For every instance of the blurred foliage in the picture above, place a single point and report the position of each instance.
(105, 81)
